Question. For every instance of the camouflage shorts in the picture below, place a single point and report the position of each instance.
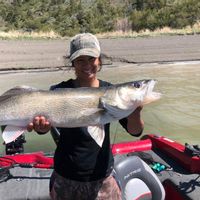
(65, 189)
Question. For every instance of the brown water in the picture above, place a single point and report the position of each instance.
(175, 116)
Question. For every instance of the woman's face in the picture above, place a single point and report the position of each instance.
(86, 67)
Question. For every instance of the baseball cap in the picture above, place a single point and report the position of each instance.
(84, 44)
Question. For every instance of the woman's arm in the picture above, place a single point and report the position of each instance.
(135, 124)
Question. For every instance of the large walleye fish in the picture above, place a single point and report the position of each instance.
(74, 107)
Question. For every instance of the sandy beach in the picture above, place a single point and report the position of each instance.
(48, 54)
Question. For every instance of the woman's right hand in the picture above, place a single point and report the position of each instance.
(40, 124)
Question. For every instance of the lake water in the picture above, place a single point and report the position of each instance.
(176, 115)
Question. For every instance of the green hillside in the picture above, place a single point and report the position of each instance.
(68, 17)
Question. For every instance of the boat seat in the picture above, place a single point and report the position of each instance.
(136, 179)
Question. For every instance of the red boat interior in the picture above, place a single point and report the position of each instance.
(177, 167)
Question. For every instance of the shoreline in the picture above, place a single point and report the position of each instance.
(48, 54)
(7, 71)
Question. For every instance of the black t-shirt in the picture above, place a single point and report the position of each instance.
(78, 156)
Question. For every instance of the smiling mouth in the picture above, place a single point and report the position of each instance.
(88, 71)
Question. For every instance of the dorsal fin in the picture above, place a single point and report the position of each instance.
(16, 90)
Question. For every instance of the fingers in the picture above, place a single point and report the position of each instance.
(30, 127)
(40, 124)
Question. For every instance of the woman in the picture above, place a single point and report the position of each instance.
(82, 169)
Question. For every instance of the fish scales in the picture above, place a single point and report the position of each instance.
(60, 107)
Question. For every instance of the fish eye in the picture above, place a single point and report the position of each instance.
(137, 84)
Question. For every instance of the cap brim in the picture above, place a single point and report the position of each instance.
(85, 52)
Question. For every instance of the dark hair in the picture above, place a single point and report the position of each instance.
(101, 63)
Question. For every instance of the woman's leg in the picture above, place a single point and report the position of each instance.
(109, 190)
(66, 189)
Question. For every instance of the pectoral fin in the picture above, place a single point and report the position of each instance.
(97, 133)
(11, 133)
(112, 110)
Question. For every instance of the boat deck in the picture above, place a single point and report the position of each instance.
(26, 183)
(33, 183)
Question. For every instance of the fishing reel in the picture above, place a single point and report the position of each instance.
(16, 146)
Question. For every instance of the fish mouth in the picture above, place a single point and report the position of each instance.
(150, 95)
(145, 88)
